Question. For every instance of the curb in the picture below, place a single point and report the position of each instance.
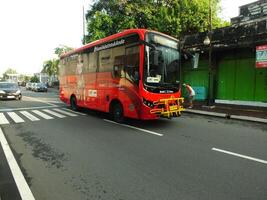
(223, 115)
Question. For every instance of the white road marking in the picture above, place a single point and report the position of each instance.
(41, 114)
(29, 116)
(80, 113)
(38, 100)
(136, 128)
(24, 190)
(240, 155)
(27, 108)
(54, 113)
(65, 112)
(3, 119)
(15, 117)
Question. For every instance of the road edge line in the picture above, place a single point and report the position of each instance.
(22, 185)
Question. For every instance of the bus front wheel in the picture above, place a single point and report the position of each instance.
(117, 113)
(73, 103)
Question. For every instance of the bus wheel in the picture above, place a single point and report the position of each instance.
(73, 103)
(117, 113)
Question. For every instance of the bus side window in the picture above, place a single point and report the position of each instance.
(62, 67)
(132, 64)
(92, 62)
(118, 61)
(105, 60)
(118, 66)
(72, 65)
(85, 62)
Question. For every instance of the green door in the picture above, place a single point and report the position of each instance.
(261, 85)
(226, 80)
(245, 79)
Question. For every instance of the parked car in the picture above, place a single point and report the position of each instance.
(33, 86)
(28, 86)
(10, 91)
(40, 87)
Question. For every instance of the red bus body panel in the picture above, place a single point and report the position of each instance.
(108, 88)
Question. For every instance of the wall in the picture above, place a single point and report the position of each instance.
(236, 77)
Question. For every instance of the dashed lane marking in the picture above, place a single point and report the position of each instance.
(136, 128)
(240, 155)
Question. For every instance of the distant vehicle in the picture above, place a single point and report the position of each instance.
(28, 86)
(135, 74)
(32, 86)
(10, 91)
(40, 87)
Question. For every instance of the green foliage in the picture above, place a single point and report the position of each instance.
(62, 49)
(173, 17)
(51, 67)
(34, 79)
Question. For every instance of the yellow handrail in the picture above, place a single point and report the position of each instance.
(171, 107)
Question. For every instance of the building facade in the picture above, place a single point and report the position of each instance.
(237, 70)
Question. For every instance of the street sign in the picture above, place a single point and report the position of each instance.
(261, 56)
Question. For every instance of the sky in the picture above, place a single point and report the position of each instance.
(32, 29)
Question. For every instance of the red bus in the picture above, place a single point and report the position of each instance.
(133, 74)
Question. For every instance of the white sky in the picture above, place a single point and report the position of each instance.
(31, 29)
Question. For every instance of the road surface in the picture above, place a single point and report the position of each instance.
(67, 155)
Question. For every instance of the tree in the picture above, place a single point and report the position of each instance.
(34, 79)
(173, 17)
(61, 49)
(51, 67)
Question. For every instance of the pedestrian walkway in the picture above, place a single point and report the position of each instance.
(21, 116)
(248, 113)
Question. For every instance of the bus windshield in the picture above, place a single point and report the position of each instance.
(161, 69)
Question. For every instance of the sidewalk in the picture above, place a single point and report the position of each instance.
(248, 113)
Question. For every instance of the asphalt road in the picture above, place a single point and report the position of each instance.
(86, 156)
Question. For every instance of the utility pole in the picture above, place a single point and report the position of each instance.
(83, 27)
(210, 73)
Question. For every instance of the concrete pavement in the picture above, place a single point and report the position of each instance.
(226, 115)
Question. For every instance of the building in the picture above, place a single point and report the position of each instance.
(13, 77)
(234, 74)
(43, 77)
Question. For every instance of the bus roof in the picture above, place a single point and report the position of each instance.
(106, 39)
